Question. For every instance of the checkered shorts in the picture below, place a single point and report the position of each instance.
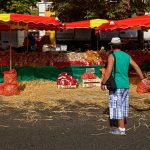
(118, 103)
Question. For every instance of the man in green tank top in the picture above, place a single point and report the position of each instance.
(118, 99)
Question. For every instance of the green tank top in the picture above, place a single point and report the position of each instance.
(122, 66)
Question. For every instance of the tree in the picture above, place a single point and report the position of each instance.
(18, 6)
(74, 10)
(140, 7)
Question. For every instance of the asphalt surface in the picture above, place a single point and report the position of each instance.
(86, 128)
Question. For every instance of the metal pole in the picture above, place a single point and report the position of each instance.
(97, 41)
(27, 40)
(10, 56)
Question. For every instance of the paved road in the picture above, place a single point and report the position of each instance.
(74, 128)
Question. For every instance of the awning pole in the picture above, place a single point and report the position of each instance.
(97, 41)
(10, 50)
(27, 40)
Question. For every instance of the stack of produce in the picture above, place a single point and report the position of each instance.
(59, 60)
(10, 85)
(89, 79)
(4, 61)
(92, 55)
(140, 56)
(65, 80)
(89, 75)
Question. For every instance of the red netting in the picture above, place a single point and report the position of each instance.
(143, 87)
(10, 86)
(11, 89)
(1, 89)
(10, 77)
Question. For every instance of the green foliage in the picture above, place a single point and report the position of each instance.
(139, 7)
(17, 6)
(73, 10)
(119, 10)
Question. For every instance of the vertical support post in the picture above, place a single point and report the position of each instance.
(10, 50)
(27, 40)
(97, 40)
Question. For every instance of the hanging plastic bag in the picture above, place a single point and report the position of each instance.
(143, 86)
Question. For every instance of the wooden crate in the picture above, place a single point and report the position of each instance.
(91, 82)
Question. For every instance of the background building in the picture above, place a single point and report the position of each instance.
(44, 8)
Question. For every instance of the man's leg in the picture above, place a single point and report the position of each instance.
(121, 123)
(121, 128)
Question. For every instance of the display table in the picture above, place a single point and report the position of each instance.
(49, 72)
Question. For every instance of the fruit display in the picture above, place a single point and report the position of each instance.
(140, 56)
(89, 79)
(65, 80)
(60, 59)
(52, 58)
(89, 75)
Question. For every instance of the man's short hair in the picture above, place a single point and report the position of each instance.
(116, 46)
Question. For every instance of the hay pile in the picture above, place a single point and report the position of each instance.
(36, 96)
(45, 95)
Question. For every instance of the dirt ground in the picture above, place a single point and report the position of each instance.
(44, 117)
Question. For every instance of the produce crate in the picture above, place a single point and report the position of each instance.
(91, 82)
(67, 86)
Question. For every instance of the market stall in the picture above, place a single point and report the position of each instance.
(137, 22)
(39, 65)
(81, 29)
(49, 72)
(93, 23)
(25, 22)
(141, 56)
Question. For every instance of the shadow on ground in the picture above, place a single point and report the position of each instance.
(68, 126)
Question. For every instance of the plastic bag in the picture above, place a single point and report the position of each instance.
(1, 89)
(143, 86)
(10, 77)
(11, 89)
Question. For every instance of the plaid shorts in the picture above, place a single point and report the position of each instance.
(119, 103)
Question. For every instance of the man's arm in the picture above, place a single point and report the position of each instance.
(108, 69)
(136, 68)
